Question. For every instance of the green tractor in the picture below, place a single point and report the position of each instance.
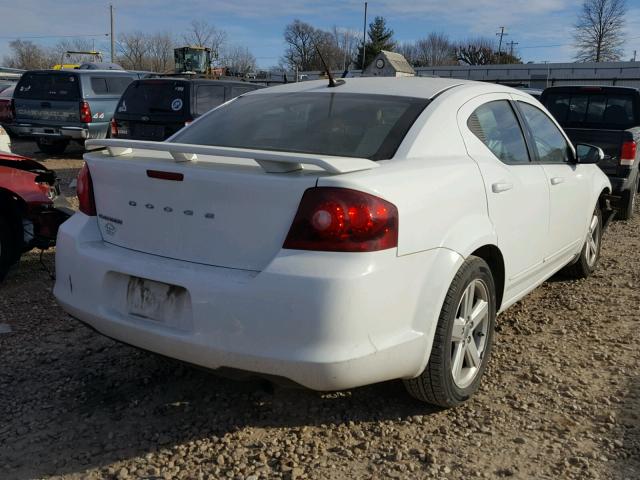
(193, 60)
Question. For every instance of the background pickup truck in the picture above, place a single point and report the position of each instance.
(57, 106)
(609, 118)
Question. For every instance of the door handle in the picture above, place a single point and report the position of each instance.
(45, 104)
(501, 187)
(557, 180)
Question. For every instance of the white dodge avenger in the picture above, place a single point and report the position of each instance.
(334, 236)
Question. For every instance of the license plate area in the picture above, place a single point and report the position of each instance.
(149, 131)
(156, 301)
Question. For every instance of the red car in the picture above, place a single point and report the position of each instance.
(6, 106)
(28, 217)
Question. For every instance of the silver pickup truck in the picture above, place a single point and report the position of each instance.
(57, 106)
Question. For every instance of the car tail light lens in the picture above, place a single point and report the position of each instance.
(114, 128)
(85, 112)
(343, 220)
(85, 192)
(13, 110)
(628, 155)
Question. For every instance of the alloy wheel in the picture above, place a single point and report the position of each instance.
(593, 241)
(469, 333)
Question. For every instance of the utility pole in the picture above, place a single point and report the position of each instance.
(500, 34)
(364, 38)
(511, 44)
(634, 55)
(113, 42)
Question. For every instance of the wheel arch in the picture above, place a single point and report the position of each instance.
(493, 256)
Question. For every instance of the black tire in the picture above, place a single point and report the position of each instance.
(587, 262)
(9, 248)
(629, 200)
(52, 147)
(436, 384)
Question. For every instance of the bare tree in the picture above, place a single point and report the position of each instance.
(476, 51)
(239, 60)
(160, 52)
(301, 38)
(599, 32)
(27, 55)
(72, 45)
(133, 51)
(204, 34)
(347, 43)
(435, 50)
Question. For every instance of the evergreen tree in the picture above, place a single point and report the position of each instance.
(380, 38)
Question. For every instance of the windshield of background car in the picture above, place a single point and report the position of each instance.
(339, 124)
(48, 86)
(153, 97)
(591, 109)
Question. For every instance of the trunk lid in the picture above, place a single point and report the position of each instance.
(228, 212)
(48, 97)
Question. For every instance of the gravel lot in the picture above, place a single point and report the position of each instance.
(561, 398)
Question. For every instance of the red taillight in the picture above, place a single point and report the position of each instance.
(13, 110)
(628, 154)
(85, 112)
(85, 192)
(343, 220)
(114, 128)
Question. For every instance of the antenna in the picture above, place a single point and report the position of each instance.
(332, 82)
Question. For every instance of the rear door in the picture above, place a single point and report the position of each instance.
(48, 98)
(568, 183)
(516, 187)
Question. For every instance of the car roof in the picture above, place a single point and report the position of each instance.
(416, 87)
(83, 72)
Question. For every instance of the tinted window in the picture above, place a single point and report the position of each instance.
(208, 97)
(110, 85)
(99, 85)
(549, 143)
(591, 109)
(496, 125)
(344, 124)
(48, 86)
(152, 97)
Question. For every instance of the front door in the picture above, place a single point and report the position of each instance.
(568, 186)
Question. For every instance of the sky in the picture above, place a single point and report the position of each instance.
(541, 28)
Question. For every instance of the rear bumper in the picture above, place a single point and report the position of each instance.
(62, 133)
(623, 184)
(323, 320)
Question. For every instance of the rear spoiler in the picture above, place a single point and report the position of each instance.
(271, 162)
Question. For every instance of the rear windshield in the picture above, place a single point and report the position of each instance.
(591, 109)
(48, 86)
(155, 97)
(341, 124)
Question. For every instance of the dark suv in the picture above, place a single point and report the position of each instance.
(156, 108)
(607, 117)
(57, 106)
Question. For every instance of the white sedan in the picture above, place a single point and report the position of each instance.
(334, 236)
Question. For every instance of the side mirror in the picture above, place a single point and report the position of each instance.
(586, 153)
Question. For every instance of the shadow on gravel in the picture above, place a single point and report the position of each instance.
(73, 400)
(627, 465)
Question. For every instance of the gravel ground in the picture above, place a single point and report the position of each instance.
(561, 398)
